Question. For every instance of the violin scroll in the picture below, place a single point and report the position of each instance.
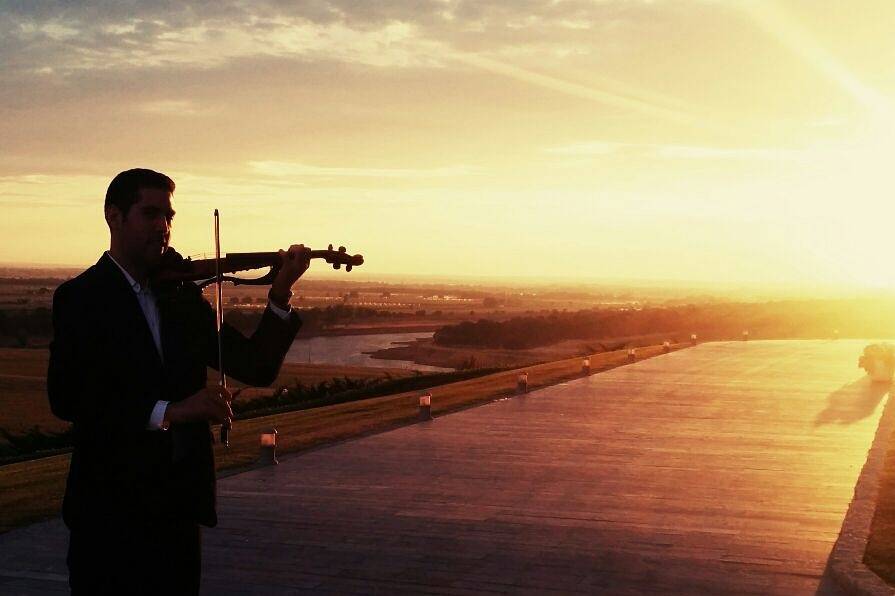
(340, 257)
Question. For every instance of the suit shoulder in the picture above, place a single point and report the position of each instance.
(77, 287)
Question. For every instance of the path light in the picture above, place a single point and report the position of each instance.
(522, 383)
(745, 335)
(426, 406)
(585, 366)
(632, 354)
(666, 346)
(693, 337)
(269, 448)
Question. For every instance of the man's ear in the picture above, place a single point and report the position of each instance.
(114, 217)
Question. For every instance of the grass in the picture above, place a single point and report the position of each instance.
(32, 490)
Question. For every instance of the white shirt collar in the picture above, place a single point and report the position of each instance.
(135, 285)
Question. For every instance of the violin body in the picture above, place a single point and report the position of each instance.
(174, 267)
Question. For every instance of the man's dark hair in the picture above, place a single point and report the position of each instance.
(124, 190)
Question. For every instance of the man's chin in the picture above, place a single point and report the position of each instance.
(154, 255)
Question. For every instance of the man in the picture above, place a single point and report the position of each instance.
(128, 368)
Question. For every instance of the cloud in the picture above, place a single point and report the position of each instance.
(629, 99)
(522, 40)
(78, 47)
(280, 169)
(42, 190)
(171, 107)
(695, 152)
(657, 151)
(69, 36)
(588, 149)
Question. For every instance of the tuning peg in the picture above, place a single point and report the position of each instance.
(330, 247)
(342, 249)
(348, 267)
(337, 265)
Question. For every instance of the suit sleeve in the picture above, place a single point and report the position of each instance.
(65, 361)
(254, 360)
(84, 385)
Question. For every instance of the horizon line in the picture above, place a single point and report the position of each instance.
(725, 287)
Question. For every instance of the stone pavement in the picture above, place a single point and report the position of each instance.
(723, 468)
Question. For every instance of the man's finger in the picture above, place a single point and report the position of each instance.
(304, 254)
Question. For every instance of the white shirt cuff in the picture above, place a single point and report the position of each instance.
(157, 416)
(283, 314)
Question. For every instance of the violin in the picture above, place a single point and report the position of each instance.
(175, 268)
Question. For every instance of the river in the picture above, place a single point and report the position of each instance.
(350, 350)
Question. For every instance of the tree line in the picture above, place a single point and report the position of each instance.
(29, 327)
(782, 319)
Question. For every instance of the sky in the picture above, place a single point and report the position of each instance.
(728, 141)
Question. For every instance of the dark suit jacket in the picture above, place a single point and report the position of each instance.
(105, 376)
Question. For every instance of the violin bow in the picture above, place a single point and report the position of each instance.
(219, 312)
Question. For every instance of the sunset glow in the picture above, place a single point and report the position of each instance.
(748, 141)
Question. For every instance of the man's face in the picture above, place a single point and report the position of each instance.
(145, 231)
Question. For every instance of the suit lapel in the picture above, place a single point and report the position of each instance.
(182, 342)
(126, 310)
(172, 342)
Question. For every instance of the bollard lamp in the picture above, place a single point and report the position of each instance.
(269, 448)
(426, 406)
(522, 383)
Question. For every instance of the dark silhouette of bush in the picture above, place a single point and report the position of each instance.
(340, 390)
(32, 441)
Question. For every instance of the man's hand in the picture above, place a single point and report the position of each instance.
(211, 404)
(295, 262)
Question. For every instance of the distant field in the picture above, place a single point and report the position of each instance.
(24, 399)
(23, 387)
